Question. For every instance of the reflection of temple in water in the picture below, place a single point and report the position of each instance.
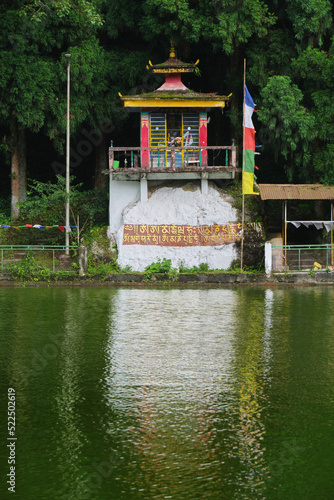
(174, 376)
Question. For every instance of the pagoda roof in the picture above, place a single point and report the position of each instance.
(173, 93)
(172, 65)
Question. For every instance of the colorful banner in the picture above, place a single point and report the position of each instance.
(184, 236)
(249, 145)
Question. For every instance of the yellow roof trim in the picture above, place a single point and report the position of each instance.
(172, 70)
(173, 103)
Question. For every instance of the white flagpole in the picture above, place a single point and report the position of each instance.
(243, 173)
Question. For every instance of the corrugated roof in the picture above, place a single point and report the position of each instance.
(296, 192)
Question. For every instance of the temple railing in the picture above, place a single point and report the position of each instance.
(174, 158)
(302, 257)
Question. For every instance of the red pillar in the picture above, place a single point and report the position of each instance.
(203, 136)
(144, 138)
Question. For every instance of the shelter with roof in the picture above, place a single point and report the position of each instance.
(302, 192)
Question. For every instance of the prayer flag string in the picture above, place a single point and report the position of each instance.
(68, 229)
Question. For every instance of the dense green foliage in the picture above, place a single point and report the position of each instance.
(46, 203)
(288, 47)
(161, 266)
(28, 269)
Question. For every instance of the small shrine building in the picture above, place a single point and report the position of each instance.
(173, 147)
(173, 137)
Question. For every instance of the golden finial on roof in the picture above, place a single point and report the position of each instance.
(172, 50)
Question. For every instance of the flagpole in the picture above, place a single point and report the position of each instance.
(243, 173)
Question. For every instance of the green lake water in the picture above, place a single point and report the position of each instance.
(178, 394)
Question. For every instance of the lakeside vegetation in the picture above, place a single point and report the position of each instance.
(38, 267)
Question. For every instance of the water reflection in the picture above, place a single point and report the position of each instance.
(149, 394)
(69, 394)
(251, 361)
(170, 371)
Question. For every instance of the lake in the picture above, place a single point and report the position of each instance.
(207, 393)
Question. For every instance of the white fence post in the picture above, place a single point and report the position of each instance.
(268, 259)
(83, 260)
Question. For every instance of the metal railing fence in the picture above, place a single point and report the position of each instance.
(223, 157)
(32, 248)
(302, 257)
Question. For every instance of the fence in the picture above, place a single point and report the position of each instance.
(222, 157)
(14, 253)
(301, 257)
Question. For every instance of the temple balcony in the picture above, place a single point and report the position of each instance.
(187, 162)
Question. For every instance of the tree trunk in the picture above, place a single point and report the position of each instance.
(101, 163)
(18, 167)
(22, 164)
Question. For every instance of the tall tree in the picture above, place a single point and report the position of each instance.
(314, 69)
(290, 124)
(33, 36)
(25, 88)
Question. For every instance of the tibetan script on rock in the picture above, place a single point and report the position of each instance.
(182, 236)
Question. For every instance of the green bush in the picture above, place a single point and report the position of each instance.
(202, 268)
(28, 269)
(4, 211)
(45, 205)
(104, 269)
(162, 266)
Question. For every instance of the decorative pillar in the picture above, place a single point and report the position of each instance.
(144, 138)
(203, 136)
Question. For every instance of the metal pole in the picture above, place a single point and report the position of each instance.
(67, 214)
(298, 259)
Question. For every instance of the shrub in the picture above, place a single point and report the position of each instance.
(46, 205)
(162, 266)
(28, 269)
(202, 268)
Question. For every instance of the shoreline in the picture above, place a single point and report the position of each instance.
(181, 279)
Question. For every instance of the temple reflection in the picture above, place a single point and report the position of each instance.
(168, 371)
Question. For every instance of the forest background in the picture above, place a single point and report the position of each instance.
(288, 46)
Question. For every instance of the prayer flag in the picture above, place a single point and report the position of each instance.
(249, 144)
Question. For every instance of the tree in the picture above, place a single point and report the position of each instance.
(25, 88)
(32, 36)
(225, 24)
(311, 20)
(291, 127)
(314, 69)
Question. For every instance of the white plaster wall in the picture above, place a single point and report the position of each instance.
(122, 194)
(179, 207)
